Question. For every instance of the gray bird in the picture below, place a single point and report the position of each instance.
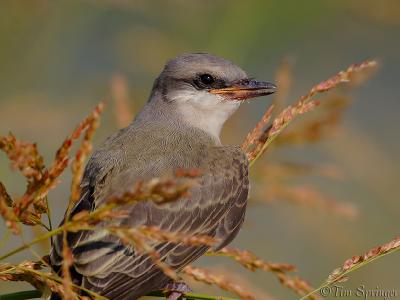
(178, 128)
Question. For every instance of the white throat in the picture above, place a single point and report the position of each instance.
(203, 110)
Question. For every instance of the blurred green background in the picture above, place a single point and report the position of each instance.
(58, 59)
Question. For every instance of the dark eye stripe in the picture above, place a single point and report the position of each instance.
(207, 79)
(201, 82)
(196, 82)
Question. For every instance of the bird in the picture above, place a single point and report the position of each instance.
(178, 128)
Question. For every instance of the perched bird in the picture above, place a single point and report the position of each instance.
(178, 128)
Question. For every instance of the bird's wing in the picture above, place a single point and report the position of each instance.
(215, 206)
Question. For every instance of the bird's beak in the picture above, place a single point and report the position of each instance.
(245, 89)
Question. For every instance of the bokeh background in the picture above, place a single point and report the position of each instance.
(59, 58)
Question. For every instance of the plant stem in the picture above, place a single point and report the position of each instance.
(328, 283)
(26, 246)
(34, 294)
(49, 215)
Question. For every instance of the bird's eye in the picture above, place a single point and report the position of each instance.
(207, 79)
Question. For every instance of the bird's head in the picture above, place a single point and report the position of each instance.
(204, 90)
